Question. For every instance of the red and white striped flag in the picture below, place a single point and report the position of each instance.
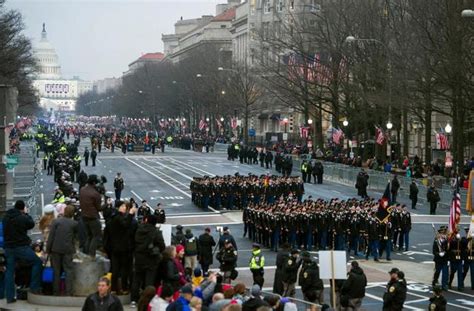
(379, 136)
(233, 123)
(337, 134)
(219, 123)
(455, 213)
(202, 125)
(304, 131)
(442, 141)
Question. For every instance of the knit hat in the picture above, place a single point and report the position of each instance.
(179, 248)
(255, 291)
(48, 209)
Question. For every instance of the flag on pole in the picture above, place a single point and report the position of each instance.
(233, 123)
(219, 123)
(147, 139)
(384, 209)
(455, 212)
(441, 141)
(337, 134)
(379, 136)
(202, 125)
(304, 131)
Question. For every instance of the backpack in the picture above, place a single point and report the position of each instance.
(190, 245)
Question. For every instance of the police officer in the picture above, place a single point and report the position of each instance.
(440, 252)
(226, 236)
(118, 186)
(437, 302)
(93, 156)
(160, 214)
(45, 161)
(395, 292)
(257, 264)
(86, 156)
(290, 268)
(311, 284)
(227, 257)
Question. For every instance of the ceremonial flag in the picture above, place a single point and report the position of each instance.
(219, 123)
(304, 131)
(379, 136)
(202, 125)
(233, 123)
(455, 212)
(441, 141)
(383, 210)
(470, 193)
(337, 134)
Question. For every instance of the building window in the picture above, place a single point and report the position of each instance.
(252, 7)
(314, 7)
(281, 5)
(266, 6)
(292, 4)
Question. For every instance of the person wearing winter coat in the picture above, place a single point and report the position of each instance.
(311, 284)
(149, 245)
(61, 247)
(120, 245)
(191, 250)
(182, 303)
(394, 187)
(353, 289)
(173, 271)
(102, 299)
(433, 198)
(206, 247)
(413, 194)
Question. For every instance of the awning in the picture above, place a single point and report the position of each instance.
(263, 116)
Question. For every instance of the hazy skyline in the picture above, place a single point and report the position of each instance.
(98, 39)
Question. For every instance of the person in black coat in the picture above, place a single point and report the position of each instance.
(311, 284)
(149, 245)
(119, 244)
(102, 299)
(93, 156)
(226, 236)
(394, 187)
(318, 171)
(413, 194)
(362, 182)
(282, 256)
(354, 287)
(206, 247)
(433, 198)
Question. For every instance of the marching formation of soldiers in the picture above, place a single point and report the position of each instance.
(237, 192)
(458, 251)
(352, 225)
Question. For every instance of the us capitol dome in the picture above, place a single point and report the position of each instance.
(48, 60)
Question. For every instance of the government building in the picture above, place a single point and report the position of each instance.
(55, 92)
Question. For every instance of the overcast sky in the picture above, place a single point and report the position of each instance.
(99, 38)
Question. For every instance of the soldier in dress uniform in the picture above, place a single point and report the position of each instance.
(456, 250)
(440, 252)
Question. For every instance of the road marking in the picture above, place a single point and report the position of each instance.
(428, 262)
(135, 194)
(158, 177)
(460, 293)
(155, 191)
(416, 301)
(172, 169)
(410, 253)
(192, 168)
(209, 224)
(192, 216)
(380, 299)
(176, 204)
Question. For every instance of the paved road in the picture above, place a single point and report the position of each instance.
(165, 178)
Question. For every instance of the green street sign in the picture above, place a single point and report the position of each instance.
(12, 161)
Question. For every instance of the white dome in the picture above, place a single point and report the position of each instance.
(48, 60)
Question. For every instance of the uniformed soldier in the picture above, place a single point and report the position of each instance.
(437, 302)
(227, 257)
(395, 292)
(257, 264)
(469, 256)
(440, 252)
(455, 252)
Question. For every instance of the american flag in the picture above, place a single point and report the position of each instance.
(233, 123)
(337, 134)
(442, 141)
(379, 136)
(202, 125)
(304, 131)
(219, 123)
(455, 212)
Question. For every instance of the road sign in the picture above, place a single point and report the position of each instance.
(252, 132)
(11, 161)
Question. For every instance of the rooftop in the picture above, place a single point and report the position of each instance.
(152, 56)
(227, 15)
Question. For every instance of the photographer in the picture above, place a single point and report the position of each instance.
(90, 204)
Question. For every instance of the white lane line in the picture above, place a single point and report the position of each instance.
(171, 169)
(460, 293)
(380, 299)
(416, 301)
(192, 216)
(135, 194)
(449, 303)
(158, 177)
(192, 168)
(213, 223)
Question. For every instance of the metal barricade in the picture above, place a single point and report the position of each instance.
(301, 304)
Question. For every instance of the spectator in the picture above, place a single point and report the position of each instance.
(60, 246)
(178, 237)
(206, 246)
(197, 277)
(394, 187)
(102, 299)
(90, 200)
(16, 224)
(161, 302)
(239, 292)
(191, 250)
(218, 302)
(149, 245)
(182, 303)
(353, 289)
(173, 276)
(255, 300)
(196, 304)
(119, 243)
(45, 222)
(413, 194)
(145, 298)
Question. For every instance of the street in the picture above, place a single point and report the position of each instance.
(165, 178)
